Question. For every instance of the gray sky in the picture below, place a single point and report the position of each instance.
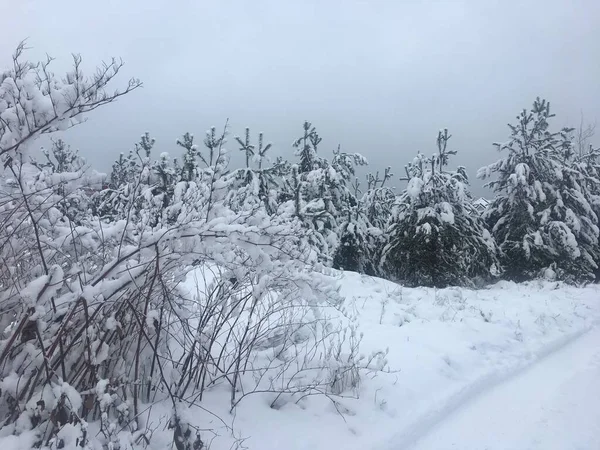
(378, 77)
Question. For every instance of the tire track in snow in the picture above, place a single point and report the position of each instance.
(554, 405)
(431, 420)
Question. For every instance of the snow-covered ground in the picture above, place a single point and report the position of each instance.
(555, 405)
(507, 367)
(447, 348)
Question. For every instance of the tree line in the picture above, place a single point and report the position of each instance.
(542, 221)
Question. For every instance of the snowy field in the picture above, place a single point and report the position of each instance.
(551, 406)
(510, 367)
(447, 348)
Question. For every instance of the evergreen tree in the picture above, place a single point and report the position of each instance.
(379, 199)
(246, 147)
(124, 169)
(357, 240)
(270, 178)
(306, 148)
(62, 159)
(130, 180)
(63, 164)
(322, 192)
(376, 207)
(588, 164)
(541, 217)
(189, 167)
(352, 252)
(258, 180)
(434, 239)
(339, 180)
(166, 175)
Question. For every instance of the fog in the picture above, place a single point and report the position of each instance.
(377, 77)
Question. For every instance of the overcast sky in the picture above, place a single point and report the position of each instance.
(377, 77)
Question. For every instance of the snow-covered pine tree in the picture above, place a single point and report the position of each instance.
(375, 207)
(339, 181)
(130, 180)
(329, 188)
(166, 172)
(189, 167)
(306, 148)
(433, 238)
(588, 163)
(357, 240)
(246, 147)
(541, 217)
(379, 199)
(321, 190)
(122, 169)
(61, 159)
(575, 202)
(301, 194)
(352, 252)
(270, 176)
(258, 181)
(314, 212)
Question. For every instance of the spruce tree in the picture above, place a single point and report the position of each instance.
(356, 242)
(376, 206)
(379, 199)
(189, 167)
(434, 238)
(246, 147)
(306, 148)
(129, 186)
(258, 180)
(541, 217)
(588, 164)
(62, 159)
(320, 191)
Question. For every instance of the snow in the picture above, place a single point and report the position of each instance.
(466, 368)
(99, 351)
(552, 406)
(415, 187)
(446, 213)
(445, 346)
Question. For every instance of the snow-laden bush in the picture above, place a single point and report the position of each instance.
(96, 324)
(33, 101)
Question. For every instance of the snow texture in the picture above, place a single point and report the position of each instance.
(550, 406)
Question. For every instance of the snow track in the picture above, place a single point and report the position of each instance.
(552, 404)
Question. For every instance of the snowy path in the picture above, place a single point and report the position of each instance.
(553, 405)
